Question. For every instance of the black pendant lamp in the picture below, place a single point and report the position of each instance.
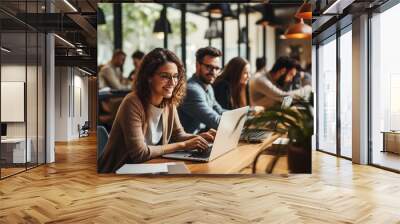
(213, 31)
(242, 35)
(101, 18)
(162, 25)
(267, 16)
(220, 9)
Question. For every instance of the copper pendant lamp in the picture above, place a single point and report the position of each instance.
(299, 30)
(304, 12)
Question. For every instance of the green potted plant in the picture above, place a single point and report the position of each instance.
(297, 123)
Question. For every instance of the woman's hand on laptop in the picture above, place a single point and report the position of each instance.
(209, 135)
(197, 142)
(256, 109)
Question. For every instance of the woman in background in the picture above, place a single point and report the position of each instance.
(147, 123)
(231, 87)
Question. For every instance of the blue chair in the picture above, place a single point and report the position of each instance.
(102, 138)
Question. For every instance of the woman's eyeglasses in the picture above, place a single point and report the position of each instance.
(169, 77)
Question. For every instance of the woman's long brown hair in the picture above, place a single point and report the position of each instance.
(150, 64)
(232, 73)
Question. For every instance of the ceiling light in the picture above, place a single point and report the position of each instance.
(337, 7)
(159, 35)
(267, 15)
(162, 25)
(213, 32)
(298, 31)
(70, 5)
(5, 50)
(159, 26)
(242, 35)
(65, 41)
(304, 12)
(101, 17)
(215, 9)
(84, 71)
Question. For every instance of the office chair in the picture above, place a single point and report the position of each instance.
(83, 130)
(102, 138)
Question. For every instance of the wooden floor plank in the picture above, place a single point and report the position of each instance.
(70, 191)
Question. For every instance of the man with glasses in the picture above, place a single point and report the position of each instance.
(199, 110)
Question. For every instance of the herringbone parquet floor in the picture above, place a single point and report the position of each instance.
(70, 191)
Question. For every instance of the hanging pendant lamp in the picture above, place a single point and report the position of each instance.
(299, 30)
(304, 12)
(267, 16)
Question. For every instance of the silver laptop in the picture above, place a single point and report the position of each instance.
(226, 138)
(258, 135)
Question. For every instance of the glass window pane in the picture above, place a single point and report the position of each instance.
(327, 97)
(138, 21)
(174, 39)
(31, 98)
(231, 39)
(385, 83)
(105, 35)
(196, 26)
(346, 94)
(41, 99)
(13, 84)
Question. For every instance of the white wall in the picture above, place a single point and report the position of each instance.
(33, 126)
(71, 103)
(14, 73)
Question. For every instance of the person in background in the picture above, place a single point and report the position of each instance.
(199, 110)
(137, 58)
(300, 79)
(261, 68)
(231, 87)
(147, 123)
(110, 74)
(264, 90)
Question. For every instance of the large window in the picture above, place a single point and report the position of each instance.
(105, 35)
(327, 96)
(329, 111)
(385, 88)
(196, 26)
(138, 20)
(346, 93)
(137, 29)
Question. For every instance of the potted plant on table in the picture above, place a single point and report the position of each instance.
(297, 123)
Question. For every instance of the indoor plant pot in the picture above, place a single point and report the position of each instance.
(297, 123)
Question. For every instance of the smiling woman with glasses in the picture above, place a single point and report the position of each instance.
(147, 123)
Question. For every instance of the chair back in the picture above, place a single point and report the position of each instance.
(102, 138)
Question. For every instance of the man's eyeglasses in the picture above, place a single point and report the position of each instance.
(211, 68)
(169, 77)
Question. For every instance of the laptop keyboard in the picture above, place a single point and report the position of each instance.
(254, 135)
(202, 154)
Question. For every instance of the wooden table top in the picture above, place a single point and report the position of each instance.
(231, 162)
